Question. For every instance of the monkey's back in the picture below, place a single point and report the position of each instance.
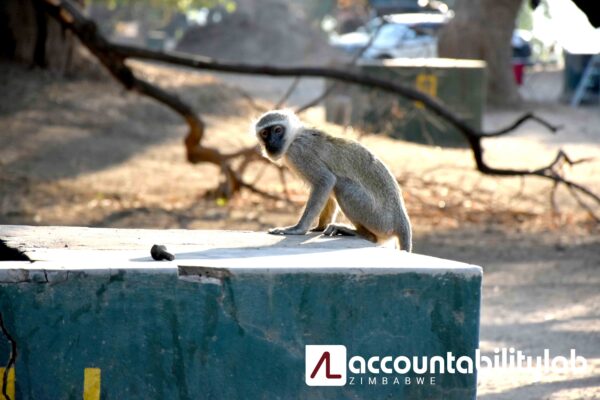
(347, 159)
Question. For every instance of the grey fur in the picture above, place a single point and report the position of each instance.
(344, 171)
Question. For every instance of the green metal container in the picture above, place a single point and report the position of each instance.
(458, 84)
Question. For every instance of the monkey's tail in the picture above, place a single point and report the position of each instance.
(404, 235)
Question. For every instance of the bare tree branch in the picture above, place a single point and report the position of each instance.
(473, 136)
(288, 93)
(520, 121)
(333, 86)
(113, 55)
(583, 204)
(553, 203)
(249, 99)
(71, 18)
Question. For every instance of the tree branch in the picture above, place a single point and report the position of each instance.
(331, 87)
(519, 122)
(71, 18)
(472, 135)
(287, 93)
(113, 55)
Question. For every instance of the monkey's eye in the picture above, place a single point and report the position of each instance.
(263, 133)
(278, 129)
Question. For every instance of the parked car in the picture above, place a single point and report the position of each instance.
(402, 35)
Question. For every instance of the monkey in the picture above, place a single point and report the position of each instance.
(341, 173)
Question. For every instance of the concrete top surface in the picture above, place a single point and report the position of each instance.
(104, 249)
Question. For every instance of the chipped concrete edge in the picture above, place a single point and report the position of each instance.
(24, 272)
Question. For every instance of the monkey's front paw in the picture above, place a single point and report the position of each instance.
(290, 230)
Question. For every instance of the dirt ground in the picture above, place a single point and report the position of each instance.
(84, 152)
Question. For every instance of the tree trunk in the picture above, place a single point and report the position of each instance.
(41, 22)
(27, 35)
(482, 29)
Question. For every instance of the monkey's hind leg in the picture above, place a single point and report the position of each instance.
(345, 230)
(327, 215)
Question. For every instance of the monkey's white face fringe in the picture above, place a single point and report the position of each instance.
(287, 118)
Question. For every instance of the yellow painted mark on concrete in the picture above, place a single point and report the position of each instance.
(426, 83)
(91, 384)
(10, 383)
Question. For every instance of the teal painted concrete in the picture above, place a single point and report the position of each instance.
(238, 335)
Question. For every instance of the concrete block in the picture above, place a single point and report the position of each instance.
(230, 317)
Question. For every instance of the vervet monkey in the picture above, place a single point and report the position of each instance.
(340, 172)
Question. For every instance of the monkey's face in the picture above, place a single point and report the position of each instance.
(273, 140)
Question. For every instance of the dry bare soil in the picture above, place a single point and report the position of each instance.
(84, 152)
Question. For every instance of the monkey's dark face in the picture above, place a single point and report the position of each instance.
(273, 140)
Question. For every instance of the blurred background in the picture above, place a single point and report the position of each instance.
(77, 148)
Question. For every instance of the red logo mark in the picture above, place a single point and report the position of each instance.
(325, 358)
